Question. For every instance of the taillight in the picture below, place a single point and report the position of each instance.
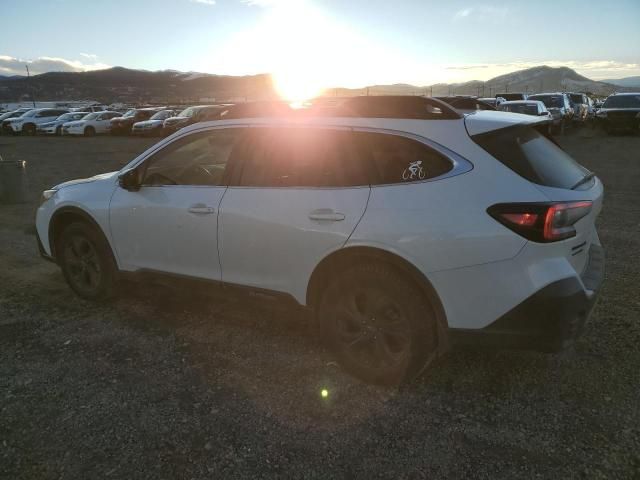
(541, 222)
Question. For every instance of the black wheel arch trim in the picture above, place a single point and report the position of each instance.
(77, 212)
(350, 255)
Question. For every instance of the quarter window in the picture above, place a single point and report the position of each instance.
(198, 159)
(302, 157)
(396, 159)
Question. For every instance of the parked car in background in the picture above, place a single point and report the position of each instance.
(559, 106)
(529, 107)
(582, 108)
(377, 225)
(90, 109)
(122, 124)
(620, 111)
(54, 127)
(4, 127)
(465, 104)
(92, 124)
(509, 97)
(493, 101)
(191, 115)
(28, 122)
(153, 126)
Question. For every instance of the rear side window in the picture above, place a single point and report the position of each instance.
(301, 157)
(532, 156)
(396, 159)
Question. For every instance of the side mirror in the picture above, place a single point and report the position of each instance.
(130, 180)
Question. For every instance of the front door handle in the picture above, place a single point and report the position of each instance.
(201, 208)
(326, 215)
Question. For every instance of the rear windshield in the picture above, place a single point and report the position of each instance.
(550, 101)
(527, 109)
(532, 156)
(622, 101)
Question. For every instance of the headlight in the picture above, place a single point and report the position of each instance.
(46, 195)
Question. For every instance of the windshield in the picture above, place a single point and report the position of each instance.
(91, 116)
(187, 112)
(550, 101)
(532, 156)
(130, 113)
(622, 101)
(575, 98)
(161, 115)
(70, 116)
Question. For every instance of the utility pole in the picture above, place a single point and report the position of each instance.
(33, 100)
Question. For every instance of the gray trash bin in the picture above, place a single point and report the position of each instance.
(13, 181)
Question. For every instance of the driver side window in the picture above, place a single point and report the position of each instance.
(197, 159)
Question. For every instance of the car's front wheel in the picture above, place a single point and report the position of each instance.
(89, 132)
(379, 325)
(86, 261)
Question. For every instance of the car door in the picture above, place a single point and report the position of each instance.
(296, 196)
(170, 224)
(102, 123)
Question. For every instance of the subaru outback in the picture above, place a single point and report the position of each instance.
(403, 225)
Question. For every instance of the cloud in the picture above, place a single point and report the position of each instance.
(91, 56)
(16, 66)
(204, 2)
(482, 13)
(264, 3)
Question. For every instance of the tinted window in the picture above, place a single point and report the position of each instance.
(301, 157)
(526, 109)
(622, 101)
(198, 159)
(532, 156)
(396, 159)
(550, 101)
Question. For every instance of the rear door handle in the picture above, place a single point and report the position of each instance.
(326, 215)
(201, 208)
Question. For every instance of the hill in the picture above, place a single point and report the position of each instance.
(120, 84)
(628, 82)
(135, 86)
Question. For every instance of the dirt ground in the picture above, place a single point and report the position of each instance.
(167, 385)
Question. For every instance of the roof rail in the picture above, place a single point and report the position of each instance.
(395, 106)
(388, 106)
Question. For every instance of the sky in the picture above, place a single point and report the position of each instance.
(323, 43)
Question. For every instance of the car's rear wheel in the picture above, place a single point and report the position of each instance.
(86, 261)
(89, 132)
(29, 129)
(378, 323)
(58, 130)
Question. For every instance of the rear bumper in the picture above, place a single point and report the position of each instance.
(549, 320)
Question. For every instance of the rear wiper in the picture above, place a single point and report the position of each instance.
(584, 180)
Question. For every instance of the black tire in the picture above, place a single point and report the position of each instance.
(87, 262)
(59, 130)
(563, 126)
(29, 129)
(378, 323)
(89, 132)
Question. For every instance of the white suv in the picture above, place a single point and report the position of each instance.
(28, 122)
(401, 223)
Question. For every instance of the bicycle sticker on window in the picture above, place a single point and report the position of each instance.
(414, 171)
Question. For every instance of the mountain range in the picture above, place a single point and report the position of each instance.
(629, 82)
(120, 84)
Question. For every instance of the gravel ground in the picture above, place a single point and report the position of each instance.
(161, 384)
